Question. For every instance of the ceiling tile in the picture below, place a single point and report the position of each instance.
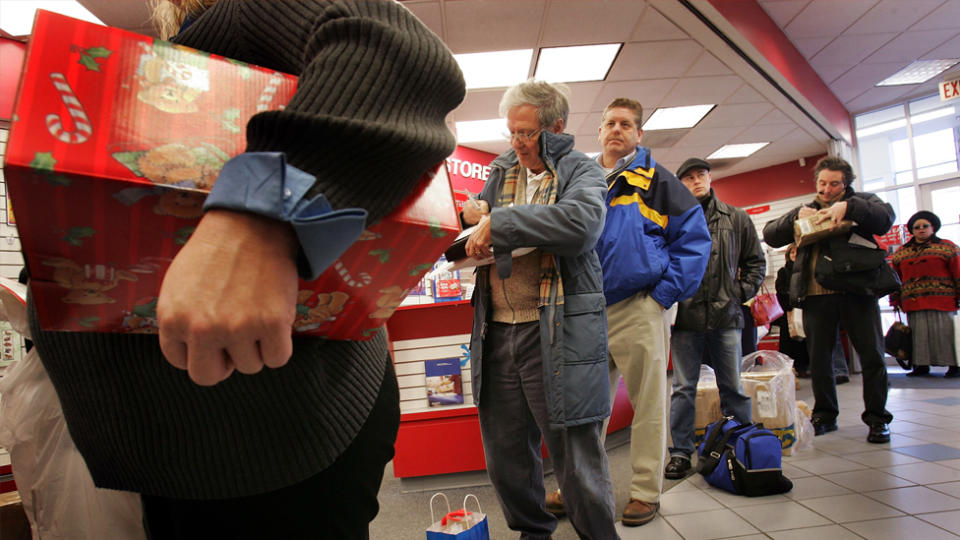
(663, 138)
(649, 93)
(704, 136)
(809, 47)
(701, 90)
(574, 121)
(827, 18)
(862, 78)
(735, 115)
(654, 60)
(746, 94)
(590, 125)
(950, 49)
(847, 50)
(708, 65)
(672, 158)
(829, 74)
(574, 22)
(653, 26)
(479, 105)
(775, 116)
(583, 94)
(876, 98)
(892, 16)
(944, 17)
(429, 13)
(513, 22)
(909, 46)
(782, 12)
(767, 132)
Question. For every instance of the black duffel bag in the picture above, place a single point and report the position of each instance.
(851, 267)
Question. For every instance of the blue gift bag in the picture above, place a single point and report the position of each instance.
(459, 524)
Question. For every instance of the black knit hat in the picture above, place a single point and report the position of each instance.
(692, 163)
(924, 214)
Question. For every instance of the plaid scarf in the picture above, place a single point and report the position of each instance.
(546, 194)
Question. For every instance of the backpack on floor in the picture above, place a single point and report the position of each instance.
(744, 459)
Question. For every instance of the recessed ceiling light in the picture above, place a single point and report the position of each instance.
(576, 64)
(16, 18)
(736, 150)
(918, 72)
(495, 69)
(481, 130)
(677, 117)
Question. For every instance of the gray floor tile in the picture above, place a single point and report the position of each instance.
(930, 452)
(830, 532)
(827, 465)
(709, 525)
(781, 516)
(924, 472)
(950, 488)
(853, 507)
(916, 499)
(685, 502)
(814, 487)
(952, 400)
(867, 480)
(882, 458)
(658, 528)
(949, 521)
(899, 529)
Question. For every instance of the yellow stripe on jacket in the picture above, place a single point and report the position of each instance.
(645, 210)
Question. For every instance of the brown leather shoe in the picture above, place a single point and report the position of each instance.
(638, 512)
(555, 503)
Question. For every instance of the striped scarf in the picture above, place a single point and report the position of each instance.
(546, 194)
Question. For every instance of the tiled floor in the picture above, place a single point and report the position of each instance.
(844, 487)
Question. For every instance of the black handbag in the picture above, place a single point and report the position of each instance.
(854, 268)
(898, 343)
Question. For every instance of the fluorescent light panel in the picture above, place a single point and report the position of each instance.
(677, 117)
(576, 64)
(495, 69)
(16, 16)
(736, 150)
(481, 130)
(918, 72)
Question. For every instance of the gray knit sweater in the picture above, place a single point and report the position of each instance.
(367, 120)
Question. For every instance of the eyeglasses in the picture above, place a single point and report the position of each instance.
(523, 136)
(921, 227)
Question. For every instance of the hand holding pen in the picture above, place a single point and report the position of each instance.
(474, 210)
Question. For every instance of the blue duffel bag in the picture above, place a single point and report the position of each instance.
(744, 459)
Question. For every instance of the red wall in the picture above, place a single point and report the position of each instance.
(770, 184)
(753, 22)
(11, 58)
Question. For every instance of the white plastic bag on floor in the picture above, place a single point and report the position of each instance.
(52, 479)
(767, 377)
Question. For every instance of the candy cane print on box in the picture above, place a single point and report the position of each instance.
(116, 139)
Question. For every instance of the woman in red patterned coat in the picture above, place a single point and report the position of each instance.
(929, 268)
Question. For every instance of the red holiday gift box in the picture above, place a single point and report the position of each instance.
(115, 140)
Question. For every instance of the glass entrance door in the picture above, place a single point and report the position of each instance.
(943, 199)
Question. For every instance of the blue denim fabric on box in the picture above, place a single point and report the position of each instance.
(690, 350)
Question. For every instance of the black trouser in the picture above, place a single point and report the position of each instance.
(339, 502)
(859, 315)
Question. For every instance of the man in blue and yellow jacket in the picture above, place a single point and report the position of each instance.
(653, 250)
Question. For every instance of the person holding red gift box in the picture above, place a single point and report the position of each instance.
(226, 425)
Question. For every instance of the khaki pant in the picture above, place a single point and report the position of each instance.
(639, 335)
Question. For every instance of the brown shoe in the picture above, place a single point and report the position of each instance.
(638, 512)
(555, 504)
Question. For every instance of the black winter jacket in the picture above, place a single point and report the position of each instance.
(872, 215)
(736, 247)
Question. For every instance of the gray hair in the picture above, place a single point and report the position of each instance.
(550, 99)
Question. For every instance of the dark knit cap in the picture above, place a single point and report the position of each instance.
(924, 214)
(690, 164)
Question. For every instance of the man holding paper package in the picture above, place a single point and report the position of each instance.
(217, 445)
(539, 348)
(841, 221)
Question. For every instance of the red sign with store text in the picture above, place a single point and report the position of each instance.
(468, 170)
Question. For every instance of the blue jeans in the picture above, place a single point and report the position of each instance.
(513, 418)
(690, 350)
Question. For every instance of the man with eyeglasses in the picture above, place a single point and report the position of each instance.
(538, 347)
(653, 250)
(825, 310)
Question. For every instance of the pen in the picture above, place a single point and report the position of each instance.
(473, 201)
